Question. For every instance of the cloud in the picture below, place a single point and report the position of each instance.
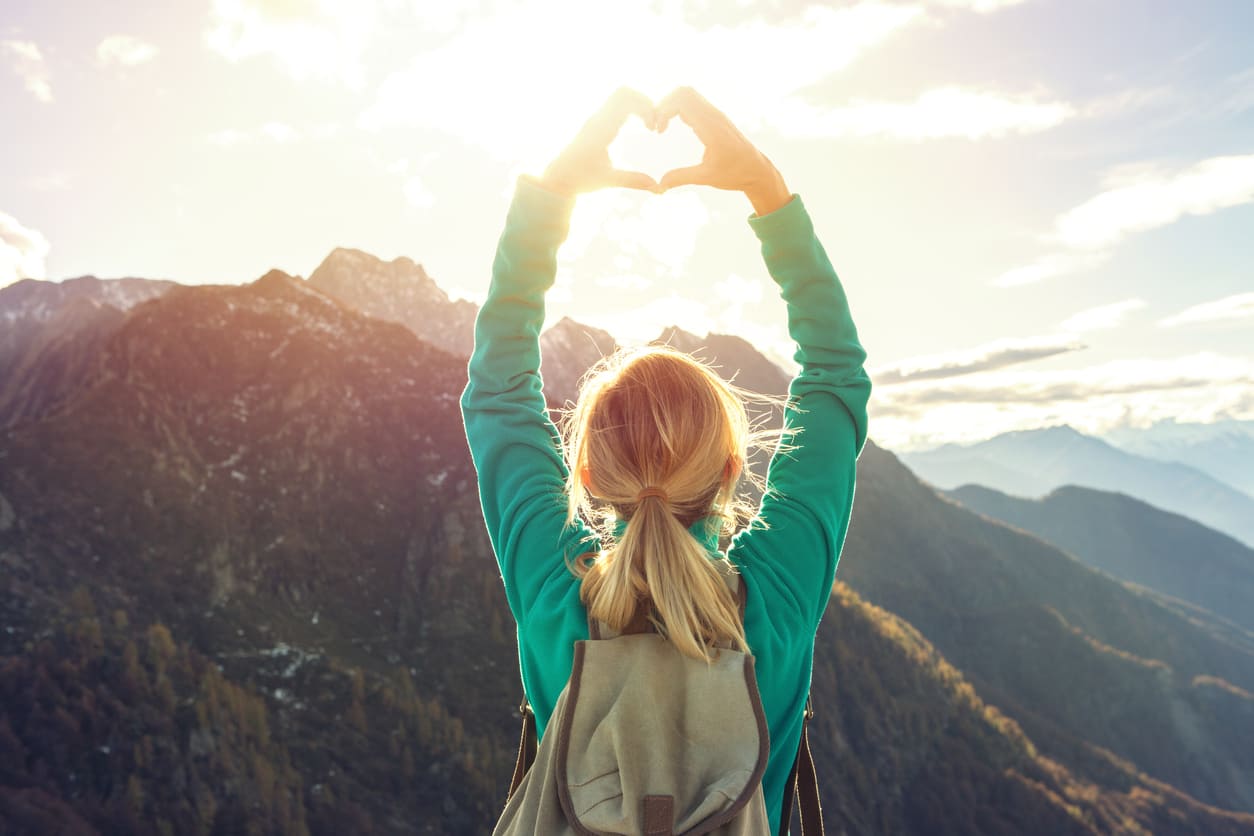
(946, 112)
(983, 358)
(22, 251)
(417, 194)
(1201, 387)
(273, 132)
(649, 235)
(982, 6)
(536, 45)
(124, 51)
(1153, 199)
(1049, 266)
(28, 62)
(53, 181)
(1136, 198)
(1238, 306)
(624, 281)
(322, 40)
(1102, 317)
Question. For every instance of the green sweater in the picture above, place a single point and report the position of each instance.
(788, 567)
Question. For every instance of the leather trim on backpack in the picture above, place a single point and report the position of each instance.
(563, 744)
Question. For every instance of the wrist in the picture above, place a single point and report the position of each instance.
(769, 197)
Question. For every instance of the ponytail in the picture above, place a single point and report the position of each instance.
(659, 560)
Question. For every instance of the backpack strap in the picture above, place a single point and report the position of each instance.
(803, 781)
(527, 745)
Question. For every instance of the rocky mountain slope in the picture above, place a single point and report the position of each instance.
(49, 331)
(1134, 541)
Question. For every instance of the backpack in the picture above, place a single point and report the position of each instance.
(645, 740)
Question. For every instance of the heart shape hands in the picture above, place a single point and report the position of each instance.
(730, 161)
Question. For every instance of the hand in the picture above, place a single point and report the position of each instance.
(730, 161)
(585, 166)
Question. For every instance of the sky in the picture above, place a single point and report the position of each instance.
(1042, 211)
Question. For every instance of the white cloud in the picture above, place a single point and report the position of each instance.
(982, 358)
(273, 132)
(28, 62)
(1200, 387)
(279, 132)
(53, 181)
(124, 51)
(417, 194)
(323, 40)
(22, 251)
(1152, 199)
(1239, 306)
(981, 6)
(228, 137)
(1049, 266)
(650, 235)
(936, 114)
(1137, 197)
(536, 47)
(662, 228)
(623, 281)
(1102, 316)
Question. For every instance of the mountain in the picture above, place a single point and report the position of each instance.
(1134, 541)
(1224, 449)
(1032, 463)
(52, 331)
(735, 358)
(1076, 658)
(398, 291)
(246, 586)
(280, 483)
(402, 291)
(567, 350)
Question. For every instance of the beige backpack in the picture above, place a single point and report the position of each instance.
(645, 740)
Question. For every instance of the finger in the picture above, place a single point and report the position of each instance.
(608, 121)
(690, 106)
(693, 175)
(631, 180)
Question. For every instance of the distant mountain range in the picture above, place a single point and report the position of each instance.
(1134, 541)
(1031, 463)
(246, 586)
(1224, 449)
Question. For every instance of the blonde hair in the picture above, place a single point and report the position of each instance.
(655, 417)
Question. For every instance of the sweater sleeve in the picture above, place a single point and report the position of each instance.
(515, 446)
(795, 543)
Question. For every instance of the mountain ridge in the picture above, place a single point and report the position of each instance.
(1030, 463)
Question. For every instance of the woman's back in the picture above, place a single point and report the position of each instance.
(787, 560)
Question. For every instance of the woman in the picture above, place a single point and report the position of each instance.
(668, 487)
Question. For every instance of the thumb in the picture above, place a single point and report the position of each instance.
(694, 175)
(631, 180)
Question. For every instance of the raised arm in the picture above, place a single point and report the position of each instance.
(809, 492)
(515, 447)
(810, 488)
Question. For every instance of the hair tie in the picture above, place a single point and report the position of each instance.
(653, 491)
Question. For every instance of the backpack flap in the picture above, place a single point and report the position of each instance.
(650, 734)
